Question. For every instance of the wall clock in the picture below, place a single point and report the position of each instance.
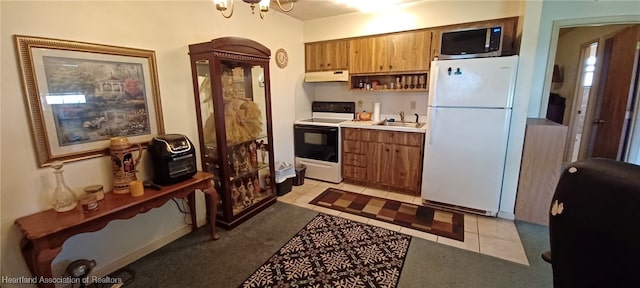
(281, 58)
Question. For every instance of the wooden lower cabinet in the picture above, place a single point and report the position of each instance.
(540, 169)
(383, 159)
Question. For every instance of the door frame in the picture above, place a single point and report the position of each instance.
(589, 111)
(553, 46)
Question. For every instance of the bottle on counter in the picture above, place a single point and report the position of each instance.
(64, 199)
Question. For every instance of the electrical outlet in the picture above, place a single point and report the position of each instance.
(359, 104)
(413, 104)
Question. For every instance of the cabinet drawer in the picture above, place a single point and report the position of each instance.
(355, 173)
(359, 134)
(402, 138)
(358, 160)
(354, 147)
(413, 139)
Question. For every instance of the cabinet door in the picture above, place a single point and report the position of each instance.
(409, 51)
(398, 165)
(337, 55)
(386, 170)
(368, 55)
(406, 167)
(509, 32)
(314, 56)
(328, 55)
(375, 162)
(435, 44)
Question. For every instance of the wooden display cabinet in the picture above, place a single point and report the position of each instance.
(233, 109)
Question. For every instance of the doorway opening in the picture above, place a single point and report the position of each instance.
(600, 78)
(583, 91)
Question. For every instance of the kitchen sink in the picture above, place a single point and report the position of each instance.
(402, 124)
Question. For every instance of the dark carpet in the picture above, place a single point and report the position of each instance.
(196, 261)
(335, 252)
(431, 220)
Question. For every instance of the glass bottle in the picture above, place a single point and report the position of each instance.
(63, 197)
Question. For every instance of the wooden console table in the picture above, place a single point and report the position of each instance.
(46, 231)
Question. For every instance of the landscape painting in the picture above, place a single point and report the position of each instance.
(95, 100)
(80, 95)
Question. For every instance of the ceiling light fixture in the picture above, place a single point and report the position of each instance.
(263, 6)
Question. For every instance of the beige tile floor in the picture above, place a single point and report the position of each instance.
(486, 235)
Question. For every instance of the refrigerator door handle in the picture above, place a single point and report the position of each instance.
(433, 85)
(433, 124)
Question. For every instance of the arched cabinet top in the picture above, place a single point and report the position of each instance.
(233, 45)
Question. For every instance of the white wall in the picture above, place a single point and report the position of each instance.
(166, 27)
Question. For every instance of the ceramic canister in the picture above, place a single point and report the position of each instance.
(124, 165)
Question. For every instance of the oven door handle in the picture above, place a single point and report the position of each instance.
(317, 128)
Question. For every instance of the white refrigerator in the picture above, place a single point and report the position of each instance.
(469, 114)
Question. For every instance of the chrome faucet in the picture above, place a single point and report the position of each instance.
(402, 116)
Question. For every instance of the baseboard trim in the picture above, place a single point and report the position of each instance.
(506, 215)
(109, 268)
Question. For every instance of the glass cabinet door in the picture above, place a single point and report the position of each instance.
(207, 114)
(243, 93)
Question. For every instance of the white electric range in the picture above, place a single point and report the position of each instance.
(317, 140)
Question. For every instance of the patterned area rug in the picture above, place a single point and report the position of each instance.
(439, 222)
(335, 252)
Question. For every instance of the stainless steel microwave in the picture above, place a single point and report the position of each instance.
(471, 43)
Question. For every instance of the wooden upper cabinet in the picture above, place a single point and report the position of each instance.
(409, 51)
(436, 36)
(395, 53)
(367, 55)
(400, 52)
(327, 55)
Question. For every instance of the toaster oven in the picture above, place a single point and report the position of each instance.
(173, 158)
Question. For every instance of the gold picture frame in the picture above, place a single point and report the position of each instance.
(79, 95)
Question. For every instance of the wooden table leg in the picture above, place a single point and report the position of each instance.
(39, 261)
(211, 197)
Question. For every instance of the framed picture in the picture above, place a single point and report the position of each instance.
(81, 94)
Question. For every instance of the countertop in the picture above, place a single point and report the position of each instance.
(374, 125)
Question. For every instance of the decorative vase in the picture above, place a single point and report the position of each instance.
(63, 197)
(123, 163)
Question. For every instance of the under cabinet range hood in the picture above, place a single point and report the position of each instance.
(327, 76)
